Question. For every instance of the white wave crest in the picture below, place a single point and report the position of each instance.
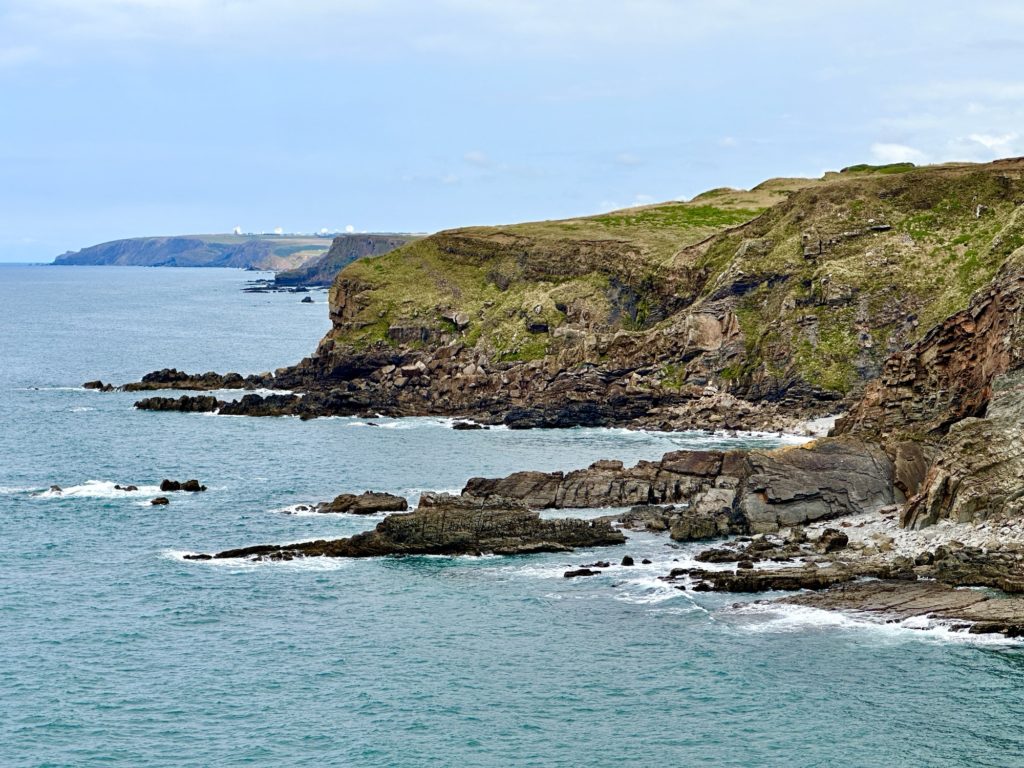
(98, 489)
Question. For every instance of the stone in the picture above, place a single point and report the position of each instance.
(367, 503)
(832, 540)
(451, 525)
(160, 501)
(580, 572)
(627, 560)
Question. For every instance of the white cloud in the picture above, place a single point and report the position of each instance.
(349, 229)
(1000, 146)
(476, 157)
(628, 158)
(727, 142)
(896, 153)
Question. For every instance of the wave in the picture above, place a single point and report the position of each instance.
(99, 489)
(778, 618)
(296, 564)
(81, 409)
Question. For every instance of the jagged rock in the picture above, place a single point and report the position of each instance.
(98, 385)
(832, 540)
(185, 404)
(190, 486)
(126, 488)
(731, 492)
(450, 525)
(368, 503)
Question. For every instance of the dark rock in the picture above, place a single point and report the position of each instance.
(580, 572)
(307, 300)
(160, 501)
(627, 560)
(468, 425)
(645, 561)
(745, 565)
(832, 540)
(98, 385)
(368, 503)
(451, 525)
(126, 487)
(192, 486)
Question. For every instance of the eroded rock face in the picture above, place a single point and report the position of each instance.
(724, 492)
(449, 525)
(979, 470)
(948, 375)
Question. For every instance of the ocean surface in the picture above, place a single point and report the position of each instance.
(116, 652)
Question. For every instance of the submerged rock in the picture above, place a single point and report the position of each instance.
(450, 525)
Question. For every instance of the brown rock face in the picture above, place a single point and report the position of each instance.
(948, 375)
(447, 525)
(725, 492)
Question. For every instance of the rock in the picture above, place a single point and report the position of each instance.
(191, 486)
(645, 561)
(367, 503)
(898, 600)
(745, 565)
(56, 489)
(727, 493)
(172, 378)
(627, 560)
(307, 300)
(832, 540)
(452, 525)
(580, 572)
(184, 404)
(98, 385)
(598, 564)
(785, 579)
(468, 425)
(160, 501)
(126, 488)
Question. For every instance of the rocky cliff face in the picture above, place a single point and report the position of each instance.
(240, 251)
(321, 270)
(736, 309)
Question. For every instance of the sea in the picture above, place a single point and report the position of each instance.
(115, 651)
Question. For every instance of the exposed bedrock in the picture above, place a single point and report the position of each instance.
(969, 609)
(368, 503)
(449, 525)
(721, 492)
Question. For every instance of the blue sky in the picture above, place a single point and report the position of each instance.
(133, 117)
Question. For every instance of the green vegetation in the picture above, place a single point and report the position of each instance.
(825, 277)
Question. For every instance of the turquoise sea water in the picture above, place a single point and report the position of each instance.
(116, 652)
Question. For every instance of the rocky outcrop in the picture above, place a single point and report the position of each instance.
(321, 270)
(172, 378)
(964, 609)
(722, 492)
(368, 503)
(189, 486)
(447, 525)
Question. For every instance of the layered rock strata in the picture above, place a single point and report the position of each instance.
(723, 492)
(448, 525)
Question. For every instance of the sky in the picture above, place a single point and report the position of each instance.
(123, 118)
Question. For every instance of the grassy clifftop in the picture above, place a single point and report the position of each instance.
(798, 285)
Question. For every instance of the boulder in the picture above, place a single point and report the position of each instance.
(367, 503)
(160, 501)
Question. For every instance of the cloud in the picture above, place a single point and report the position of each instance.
(476, 157)
(628, 159)
(896, 153)
(1000, 146)
(727, 142)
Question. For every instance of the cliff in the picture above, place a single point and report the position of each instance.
(321, 270)
(266, 252)
(733, 309)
